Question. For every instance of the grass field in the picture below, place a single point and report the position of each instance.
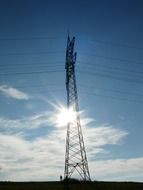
(70, 186)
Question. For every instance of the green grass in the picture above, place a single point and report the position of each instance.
(70, 186)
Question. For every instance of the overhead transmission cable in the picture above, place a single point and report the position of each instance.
(57, 64)
(104, 74)
(109, 57)
(31, 53)
(48, 63)
(108, 75)
(87, 64)
(111, 97)
(94, 94)
(31, 73)
(92, 41)
(95, 64)
(81, 85)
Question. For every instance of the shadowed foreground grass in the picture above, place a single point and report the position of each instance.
(70, 186)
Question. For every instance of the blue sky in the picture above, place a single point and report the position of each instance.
(109, 68)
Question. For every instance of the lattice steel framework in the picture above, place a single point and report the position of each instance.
(76, 165)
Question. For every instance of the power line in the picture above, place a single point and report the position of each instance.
(95, 74)
(81, 85)
(85, 86)
(54, 64)
(80, 38)
(39, 85)
(32, 64)
(88, 64)
(106, 75)
(114, 74)
(110, 58)
(94, 94)
(60, 52)
(29, 73)
(117, 73)
(87, 92)
(31, 38)
(111, 97)
(32, 53)
(110, 67)
(115, 44)
(53, 68)
(111, 90)
(34, 68)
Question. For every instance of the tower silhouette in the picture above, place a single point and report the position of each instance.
(76, 165)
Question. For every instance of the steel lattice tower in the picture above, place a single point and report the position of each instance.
(75, 158)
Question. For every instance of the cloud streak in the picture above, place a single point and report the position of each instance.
(24, 160)
(42, 158)
(13, 93)
(31, 122)
(118, 169)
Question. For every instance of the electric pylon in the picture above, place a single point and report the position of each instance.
(75, 158)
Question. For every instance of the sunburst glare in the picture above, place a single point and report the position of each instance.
(65, 116)
(62, 116)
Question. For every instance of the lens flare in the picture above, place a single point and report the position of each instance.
(61, 116)
(65, 116)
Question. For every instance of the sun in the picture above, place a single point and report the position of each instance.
(61, 116)
(65, 116)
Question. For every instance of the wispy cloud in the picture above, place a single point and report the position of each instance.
(98, 137)
(36, 160)
(29, 122)
(42, 158)
(118, 169)
(14, 93)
